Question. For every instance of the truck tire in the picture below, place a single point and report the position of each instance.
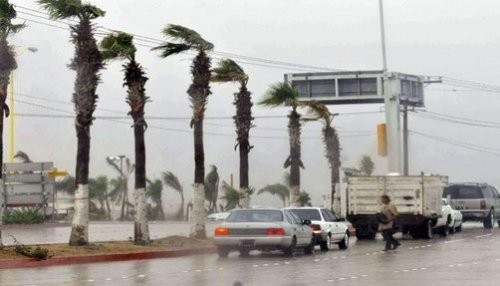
(426, 231)
(366, 232)
(489, 220)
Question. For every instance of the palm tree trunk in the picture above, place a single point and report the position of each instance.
(198, 229)
(79, 228)
(243, 121)
(4, 83)
(141, 230)
(198, 92)
(295, 161)
(244, 190)
(331, 140)
(107, 206)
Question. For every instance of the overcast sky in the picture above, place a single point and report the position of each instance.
(452, 38)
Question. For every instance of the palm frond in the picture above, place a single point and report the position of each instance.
(228, 70)
(63, 9)
(280, 94)
(183, 35)
(118, 46)
(279, 190)
(172, 181)
(231, 195)
(169, 49)
(317, 110)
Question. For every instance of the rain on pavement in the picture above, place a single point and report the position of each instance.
(466, 258)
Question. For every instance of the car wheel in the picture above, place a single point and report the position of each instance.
(344, 243)
(326, 244)
(458, 228)
(489, 220)
(310, 248)
(452, 227)
(289, 251)
(223, 252)
(444, 230)
(244, 252)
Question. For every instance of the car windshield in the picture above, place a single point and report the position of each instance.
(310, 214)
(255, 216)
(463, 192)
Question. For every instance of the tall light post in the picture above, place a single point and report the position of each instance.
(21, 51)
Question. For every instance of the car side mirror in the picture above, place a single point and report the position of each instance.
(306, 222)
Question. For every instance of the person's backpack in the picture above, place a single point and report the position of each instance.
(382, 218)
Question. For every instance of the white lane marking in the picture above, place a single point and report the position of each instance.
(354, 277)
(498, 259)
(423, 246)
(406, 270)
(185, 271)
(375, 252)
(453, 241)
(255, 265)
(221, 268)
(265, 265)
(366, 254)
(396, 271)
(423, 268)
(90, 280)
(335, 257)
(342, 257)
(276, 264)
(414, 269)
(198, 270)
(108, 279)
(287, 262)
(141, 276)
(416, 247)
(459, 265)
(125, 277)
(429, 245)
(480, 236)
(316, 260)
(475, 263)
(451, 265)
(364, 275)
(330, 280)
(325, 259)
(341, 279)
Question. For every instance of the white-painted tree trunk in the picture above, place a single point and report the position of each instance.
(294, 196)
(198, 226)
(141, 228)
(245, 198)
(1, 211)
(80, 225)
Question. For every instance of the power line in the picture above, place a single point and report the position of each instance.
(482, 149)
(458, 120)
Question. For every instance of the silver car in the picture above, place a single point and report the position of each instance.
(263, 229)
(476, 202)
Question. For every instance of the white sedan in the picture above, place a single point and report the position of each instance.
(263, 229)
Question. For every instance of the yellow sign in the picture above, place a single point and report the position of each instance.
(56, 173)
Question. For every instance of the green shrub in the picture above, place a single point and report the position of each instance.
(23, 216)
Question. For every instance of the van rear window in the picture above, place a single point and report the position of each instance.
(463, 192)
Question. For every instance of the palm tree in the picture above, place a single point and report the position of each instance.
(172, 181)
(121, 46)
(120, 192)
(212, 188)
(7, 65)
(184, 40)
(283, 94)
(229, 71)
(98, 189)
(304, 199)
(23, 157)
(87, 62)
(279, 190)
(319, 111)
(154, 192)
(232, 197)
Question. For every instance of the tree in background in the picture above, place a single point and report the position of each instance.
(23, 157)
(120, 46)
(154, 192)
(98, 190)
(120, 185)
(173, 182)
(229, 71)
(366, 165)
(7, 65)
(283, 94)
(184, 40)
(212, 188)
(320, 112)
(87, 63)
(232, 197)
(279, 190)
(304, 199)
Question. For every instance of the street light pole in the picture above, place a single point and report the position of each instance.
(11, 107)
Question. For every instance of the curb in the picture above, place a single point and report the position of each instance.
(70, 260)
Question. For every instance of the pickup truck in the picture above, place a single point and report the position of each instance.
(417, 198)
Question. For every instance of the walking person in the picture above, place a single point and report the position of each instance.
(387, 226)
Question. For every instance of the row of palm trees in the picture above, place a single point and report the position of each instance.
(90, 57)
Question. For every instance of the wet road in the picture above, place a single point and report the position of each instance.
(471, 257)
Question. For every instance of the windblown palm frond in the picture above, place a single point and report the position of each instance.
(172, 181)
(280, 94)
(169, 49)
(63, 9)
(279, 190)
(231, 195)
(228, 70)
(118, 46)
(7, 13)
(183, 35)
(155, 190)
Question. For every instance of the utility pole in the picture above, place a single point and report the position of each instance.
(405, 140)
